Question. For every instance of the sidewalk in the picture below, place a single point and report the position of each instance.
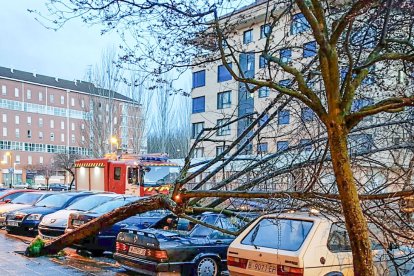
(13, 263)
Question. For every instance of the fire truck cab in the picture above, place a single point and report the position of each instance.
(127, 174)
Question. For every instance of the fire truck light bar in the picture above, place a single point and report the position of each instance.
(152, 158)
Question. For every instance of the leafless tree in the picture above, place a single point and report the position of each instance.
(66, 162)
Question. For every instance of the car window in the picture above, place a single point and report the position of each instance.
(54, 201)
(2, 193)
(338, 240)
(275, 233)
(88, 203)
(109, 206)
(12, 196)
(27, 198)
(203, 231)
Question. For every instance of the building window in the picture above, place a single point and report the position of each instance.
(262, 147)
(264, 31)
(264, 119)
(40, 135)
(223, 74)
(247, 36)
(52, 123)
(115, 120)
(225, 130)
(40, 96)
(285, 83)
(83, 126)
(199, 78)
(4, 131)
(62, 125)
(17, 158)
(62, 99)
(360, 143)
(16, 92)
(286, 55)
(82, 103)
(199, 152)
(62, 137)
(221, 149)
(283, 117)
(73, 138)
(282, 145)
(73, 126)
(309, 49)
(83, 138)
(364, 38)
(358, 104)
(262, 62)
(264, 92)
(40, 122)
(305, 145)
(107, 108)
(29, 120)
(72, 101)
(17, 133)
(29, 134)
(196, 129)
(29, 94)
(299, 24)
(3, 90)
(4, 117)
(224, 100)
(17, 119)
(29, 160)
(52, 136)
(307, 114)
(199, 105)
(41, 159)
(51, 98)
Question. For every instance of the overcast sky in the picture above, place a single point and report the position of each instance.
(27, 45)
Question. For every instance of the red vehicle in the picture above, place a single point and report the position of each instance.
(129, 174)
(8, 195)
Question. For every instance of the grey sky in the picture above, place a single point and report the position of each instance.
(66, 53)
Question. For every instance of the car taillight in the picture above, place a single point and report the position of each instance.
(121, 247)
(237, 262)
(289, 271)
(157, 254)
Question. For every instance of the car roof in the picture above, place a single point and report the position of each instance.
(302, 215)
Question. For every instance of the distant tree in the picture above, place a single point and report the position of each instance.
(66, 162)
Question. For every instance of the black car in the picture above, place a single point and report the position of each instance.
(26, 221)
(57, 187)
(199, 251)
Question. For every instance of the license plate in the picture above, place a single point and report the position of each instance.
(137, 251)
(77, 222)
(12, 223)
(262, 267)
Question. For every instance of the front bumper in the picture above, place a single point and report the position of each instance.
(50, 233)
(25, 226)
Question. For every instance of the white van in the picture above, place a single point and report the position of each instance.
(305, 243)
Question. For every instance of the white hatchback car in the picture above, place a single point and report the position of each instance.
(302, 243)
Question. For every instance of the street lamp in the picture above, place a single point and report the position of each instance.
(12, 165)
(114, 140)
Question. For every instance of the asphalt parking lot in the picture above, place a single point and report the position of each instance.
(13, 262)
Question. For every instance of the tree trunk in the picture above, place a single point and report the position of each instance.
(94, 226)
(354, 218)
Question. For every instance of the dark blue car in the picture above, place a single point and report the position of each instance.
(106, 239)
(199, 251)
(26, 221)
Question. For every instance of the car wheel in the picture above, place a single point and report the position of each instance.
(207, 266)
(38, 188)
(97, 253)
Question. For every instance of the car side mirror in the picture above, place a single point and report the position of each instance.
(7, 200)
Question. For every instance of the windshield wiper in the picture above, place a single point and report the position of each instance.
(253, 237)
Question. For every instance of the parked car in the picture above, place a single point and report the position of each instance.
(7, 196)
(54, 225)
(200, 251)
(38, 186)
(21, 185)
(106, 239)
(57, 187)
(304, 244)
(23, 201)
(26, 220)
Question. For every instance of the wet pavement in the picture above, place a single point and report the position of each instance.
(12, 262)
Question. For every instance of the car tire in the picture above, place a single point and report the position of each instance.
(39, 188)
(97, 253)
(207, 266)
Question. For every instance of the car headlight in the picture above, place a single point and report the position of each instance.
(34, 217)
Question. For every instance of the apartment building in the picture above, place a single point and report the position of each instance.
(41, 116)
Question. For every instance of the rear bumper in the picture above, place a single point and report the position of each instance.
(149, 267)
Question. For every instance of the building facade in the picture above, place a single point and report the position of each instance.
(42, 116)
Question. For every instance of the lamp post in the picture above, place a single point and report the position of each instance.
(12, 166)
(114, 140)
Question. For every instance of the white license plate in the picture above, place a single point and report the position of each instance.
(77, 222)
(262, 267)
(12, 223)
(137, 251)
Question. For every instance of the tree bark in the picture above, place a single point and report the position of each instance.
(354, 219)
(94, 226)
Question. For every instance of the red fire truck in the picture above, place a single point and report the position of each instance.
(127, 174)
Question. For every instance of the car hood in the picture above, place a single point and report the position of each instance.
(57, 219)
(39, 210)
(13, 207)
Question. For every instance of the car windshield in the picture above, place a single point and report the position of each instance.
(228, 223)
(90, 202)
(287, 234)
(110, 206)
(2, 193)
(54, 201)
(27, 198)
(161, 175)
